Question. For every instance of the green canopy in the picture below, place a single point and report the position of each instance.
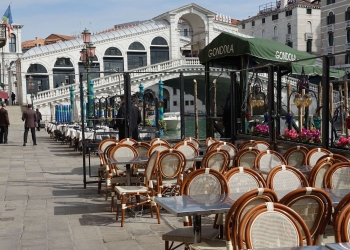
(263, 50)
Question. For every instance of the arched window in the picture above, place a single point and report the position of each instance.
(330, 18)
(330, 39)
(289, 29)
(113, 51)
(113, 61)
(275, 34)
(136, 46)
(347, 14)
(348, 36)
(159, 50)
(309, 46)
(308, 27)
(12, 44)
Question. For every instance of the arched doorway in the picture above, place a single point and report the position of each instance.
(137, 56)
(40, 78)
(113, 61)
(159, 50)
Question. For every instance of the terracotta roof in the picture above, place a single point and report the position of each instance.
(234, 21)
(31, 43)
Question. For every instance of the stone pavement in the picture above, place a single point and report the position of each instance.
(44, 204)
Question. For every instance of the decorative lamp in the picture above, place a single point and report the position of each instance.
(83, 55)
(260, 102)
(298, 100)
(307, 100)
(86, 36)
(289, 118)
(317, 122)
(253, 101)
(266, 117)
(91, 50)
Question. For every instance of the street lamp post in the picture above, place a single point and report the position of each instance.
(31, 88)
(87, 55)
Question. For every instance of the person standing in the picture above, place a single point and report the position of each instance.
(13, 98)
(135, 119)
(38, 118)
(4, 124)
(29, 118)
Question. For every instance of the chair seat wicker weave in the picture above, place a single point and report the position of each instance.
(296, 156)
(246, 157)
(268, 159)
(286, 177)
(342, 225)
(337, 176)
(231, 149)
(317, 173)
(218, 159)
(243, 179)
(314, 154)
(262, 145)
(190, 151)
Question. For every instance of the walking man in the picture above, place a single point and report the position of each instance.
(38, 118)
(4, 124)
(135, 119)
(13, 98)
(29, 118)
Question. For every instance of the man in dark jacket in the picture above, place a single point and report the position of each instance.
(135, 119)
(38, 118)
(4, 123)
(29, 118)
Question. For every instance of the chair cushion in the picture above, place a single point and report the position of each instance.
(122, 180)
(209, 244)
(130, 189)
(185, 234)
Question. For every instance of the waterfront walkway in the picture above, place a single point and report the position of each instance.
(44, 205)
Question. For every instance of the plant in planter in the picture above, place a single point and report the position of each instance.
(306, 135)
(343, 142)
(260, 130)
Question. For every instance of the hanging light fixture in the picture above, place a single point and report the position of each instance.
(298, 100)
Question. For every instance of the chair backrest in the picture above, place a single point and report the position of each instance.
(190, 151)
(269, 159)
(107, 153)
(241, 206)
(124, 152)
(218, 159)
(313, 205)
(295, 156)
(314, 154)
(271, 225)
(128, 141)
(244, 179)
(194, 141)
(151, 166)
(171, 165)
(102, 147)
(209, 148)
(231, 149)
(337, 158)
(286, 177)
(204, 181)
(142, 148)
(262, 145)
(158, 146)
(246, 144)
(159, 140)
(342, 203)
(209, 141)
(317, 174)
(246, 157)
(337, 176)
(342, 225)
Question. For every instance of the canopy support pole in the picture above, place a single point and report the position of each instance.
(127, 104)
(279, 98)
(325, 107)
(271, 103)
(182, 105)
(233, 120)
(209, 127)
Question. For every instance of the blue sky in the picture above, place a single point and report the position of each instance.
(68, 17)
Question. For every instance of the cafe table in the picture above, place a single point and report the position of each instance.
(338, 246)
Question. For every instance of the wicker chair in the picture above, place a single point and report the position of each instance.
(286, 177)
(201, 181)
(234, 216)
(142, 150)
(246, 144)
(128, 141)
(337, 158)
(159, 140)
(194, 141)
(246, 157)
(243, 179)
(318, 172)
(218, 159)
(271, 225)
(342, 203)
(268, 159)
(189, 150)
(342, 225)
(337, 176)
(315, 207)
(231, 149)
(127, 194)
(209, 141)
(314, 154)
(295, 156)
(170, 171)
(262, 145)
(158, 146)
(103, 161)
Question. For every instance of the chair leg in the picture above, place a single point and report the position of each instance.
(112, 199)
(108, 183)
(166, 246)
(123, 209)
(117, 214)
